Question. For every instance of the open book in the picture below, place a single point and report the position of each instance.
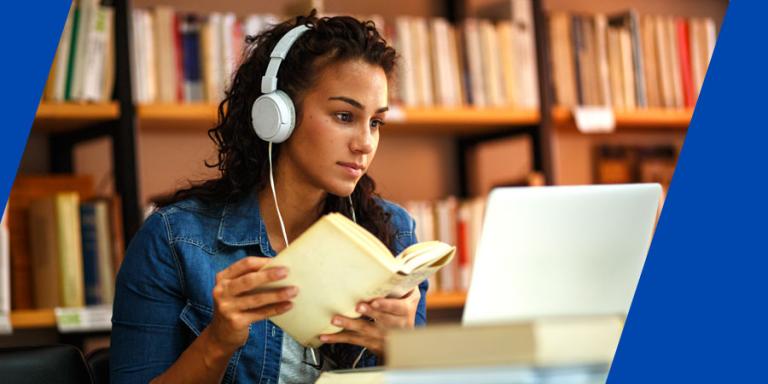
(337, 264)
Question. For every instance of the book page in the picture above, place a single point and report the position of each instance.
(333, 272)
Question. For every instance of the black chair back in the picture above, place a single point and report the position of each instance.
(98, 360)
(54, 364)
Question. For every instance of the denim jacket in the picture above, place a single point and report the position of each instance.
(163, 297)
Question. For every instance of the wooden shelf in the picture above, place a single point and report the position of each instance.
(446, 300)
(652, 120)
(33, 318)
(461, 121)
(64, 117)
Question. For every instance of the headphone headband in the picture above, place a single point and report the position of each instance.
(269, 80)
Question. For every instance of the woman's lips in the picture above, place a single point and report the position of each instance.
(352, 169)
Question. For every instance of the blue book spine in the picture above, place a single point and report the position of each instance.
(90, 254)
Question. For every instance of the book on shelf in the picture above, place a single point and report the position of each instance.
(628, 61)
(98, 260)
(480, 63)
(54, 228)
(455, 222)
(350, 265)
(66, 244)
(84, 65)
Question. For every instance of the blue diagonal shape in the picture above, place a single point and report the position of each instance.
(699, 313)
(29, 33)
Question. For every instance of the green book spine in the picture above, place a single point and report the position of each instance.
(72, 54)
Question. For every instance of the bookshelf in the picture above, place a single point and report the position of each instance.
(68, 117)
(33, 319)
(437, 121)
(125, 121)
(652, 119)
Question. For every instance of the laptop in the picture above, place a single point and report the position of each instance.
(566, 251)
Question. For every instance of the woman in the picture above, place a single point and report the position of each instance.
(185, 308)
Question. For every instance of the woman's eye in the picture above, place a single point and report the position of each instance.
(376, 124)
(344, 117)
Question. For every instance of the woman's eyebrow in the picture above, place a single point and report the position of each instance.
(356, 103)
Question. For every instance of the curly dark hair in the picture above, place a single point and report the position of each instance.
(242, 155)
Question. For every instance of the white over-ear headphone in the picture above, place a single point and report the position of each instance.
(273, 114)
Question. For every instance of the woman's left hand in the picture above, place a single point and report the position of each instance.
(385, 313)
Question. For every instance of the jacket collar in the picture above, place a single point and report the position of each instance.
(241, 225)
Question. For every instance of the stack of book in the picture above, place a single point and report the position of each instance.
(628, 62)
(454, 222)
(66, 244)
(187, 58)
(84, 66)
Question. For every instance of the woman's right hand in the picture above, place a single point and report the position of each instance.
(237, 304)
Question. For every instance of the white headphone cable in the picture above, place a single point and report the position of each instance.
(274, 195)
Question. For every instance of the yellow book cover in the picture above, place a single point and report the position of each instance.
(336, 264)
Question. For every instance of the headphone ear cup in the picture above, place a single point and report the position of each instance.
(273, 116)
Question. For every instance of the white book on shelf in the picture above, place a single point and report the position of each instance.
(138, 78)
(525, 42)
(439, 61)
(108, 78)
(97, 48)
(674, 50)
(627, 69)
(229, 48)
(507, 62)
(601, 50)
(562, 58)
(474, 60)
(454, 67)
(214, 58)
(615, 68)
(407, 70)
(446, 233)
(695, 44)
(665, 63)
(423, 61)
(489, 47)
(165, 53)
(87, 11)
(149, 61)
(652, 86)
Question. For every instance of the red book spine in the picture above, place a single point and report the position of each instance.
(685, 62)
(179, 59)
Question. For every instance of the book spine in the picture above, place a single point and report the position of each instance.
(641, 97)
(90, 254)
(70, 250)
(578, 47)
(72, 53)
(685, 62)
(191, 55)
(178, 58)
(104, 259)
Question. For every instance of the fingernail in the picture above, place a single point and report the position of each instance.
(279, 273)
(336, 321)
(375, 304)
(361, 309)
(293, 291)
(323, 338)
